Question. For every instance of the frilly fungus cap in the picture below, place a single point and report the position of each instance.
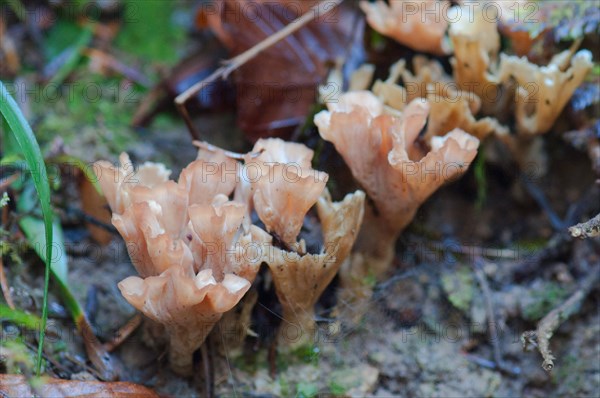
(381, 153)
(301, 279)
(406, 22)
(398, 175)
(543, 91)
(476, 44)
(197, 251)
(451, 107)
(284, 186)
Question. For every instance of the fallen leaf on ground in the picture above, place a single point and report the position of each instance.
(18, 386)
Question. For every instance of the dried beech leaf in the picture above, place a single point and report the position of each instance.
(276, 89)
(18, 386)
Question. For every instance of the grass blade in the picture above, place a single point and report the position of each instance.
(33, 156)
(21, 318)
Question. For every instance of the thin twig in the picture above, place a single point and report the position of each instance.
(212, 148)
(209, 376)
(588, 229)
(540, 337)
(229, 66)
(538, 195)
(123, 333)
(5, 287)
(491, 318)
(5, 182)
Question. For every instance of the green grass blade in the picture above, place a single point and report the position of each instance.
(85, 168)
(65, 70)
(21, 318)
(35, 161)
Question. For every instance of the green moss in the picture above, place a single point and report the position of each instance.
(251, 363)
(543, 300)
(151, 31)
(306, 390)
(336, 389)
(459, 287)
(284, 385)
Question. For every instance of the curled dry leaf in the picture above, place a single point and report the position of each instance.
(18, 386)
(276, 90)
(407, 22)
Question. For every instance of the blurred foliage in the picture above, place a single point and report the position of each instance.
(306, 390)
(459, 286)
(543, 299)
(152, 31)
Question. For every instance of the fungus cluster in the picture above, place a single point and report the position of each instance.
(197, 252)
(421, 127)
(198, 243)
(483, 79)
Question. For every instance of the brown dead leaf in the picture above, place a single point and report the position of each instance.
(276, 89)
(95, 205)
(18, 386)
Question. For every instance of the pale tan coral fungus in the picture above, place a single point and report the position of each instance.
(197, 251)
(285, 186)
(282, 195)
(301, 279)
(450, 107)
(396, 174)
(190, 266)
(476, 43)
(543, 91)
(419, 25)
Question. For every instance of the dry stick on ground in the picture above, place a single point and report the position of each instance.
(491, 318)
(588, 229)
(540, 337)
(229, 66)
(5, 287)
(123, 333)
(4, 183)
(560, 242)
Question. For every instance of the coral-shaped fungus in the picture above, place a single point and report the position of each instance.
(396, 174)
(188, 248)
(450, 107)
(282, 195)
(409, 23)
(476, 43)
(197, 252)
(543, 91)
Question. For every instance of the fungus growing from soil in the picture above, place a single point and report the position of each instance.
(191, 257)
(282, 195)
(397, 174)
(197, 252)
(284, 186)
(301, 279)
